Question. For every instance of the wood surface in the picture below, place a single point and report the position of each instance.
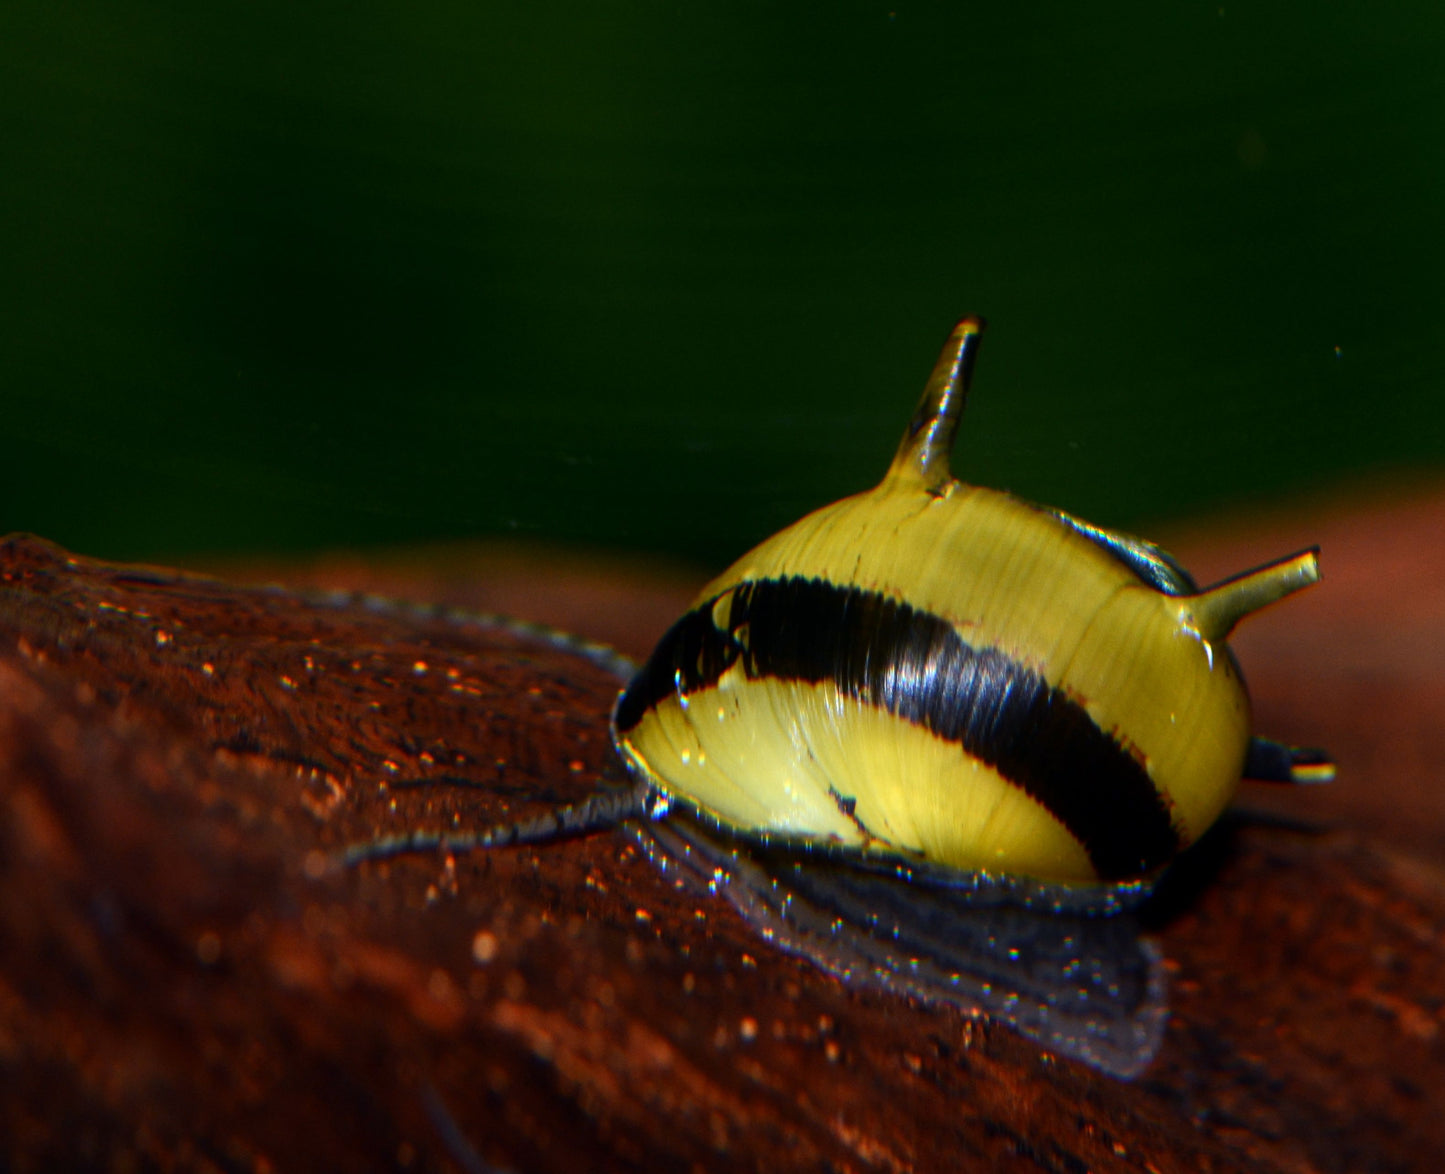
(185, 984)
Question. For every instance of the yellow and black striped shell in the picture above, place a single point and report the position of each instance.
(945, 673)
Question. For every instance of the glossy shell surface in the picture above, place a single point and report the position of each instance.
(946, 672)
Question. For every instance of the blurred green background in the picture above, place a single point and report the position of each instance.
(660, 277)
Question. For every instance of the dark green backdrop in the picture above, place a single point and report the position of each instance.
(661, 276)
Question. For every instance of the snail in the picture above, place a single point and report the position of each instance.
(934, 681)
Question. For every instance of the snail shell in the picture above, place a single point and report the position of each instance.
(944, 673)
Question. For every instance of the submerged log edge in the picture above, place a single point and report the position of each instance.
(182, 985)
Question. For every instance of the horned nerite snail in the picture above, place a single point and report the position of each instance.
(945, 685)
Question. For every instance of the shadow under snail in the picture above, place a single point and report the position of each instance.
(940, 688)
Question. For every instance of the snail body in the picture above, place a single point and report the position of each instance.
(932, 738)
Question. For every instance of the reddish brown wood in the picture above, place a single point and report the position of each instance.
(183, 985)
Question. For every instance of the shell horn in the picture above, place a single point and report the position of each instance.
(923, 455)
(1218, 609)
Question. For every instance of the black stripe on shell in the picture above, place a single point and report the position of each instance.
(916, 666)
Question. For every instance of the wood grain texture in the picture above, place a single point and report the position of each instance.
(183, 987)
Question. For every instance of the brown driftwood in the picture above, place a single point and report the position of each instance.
(183, 984)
